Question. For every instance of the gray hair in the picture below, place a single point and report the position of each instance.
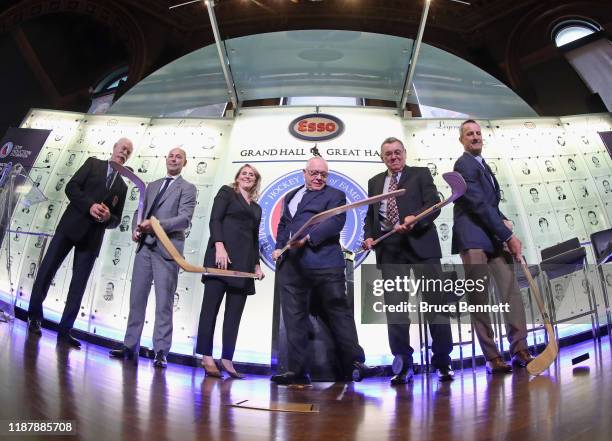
(391, 140)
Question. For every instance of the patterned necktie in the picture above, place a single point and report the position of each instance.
(392, 211)
(109, 180)
(164, 187)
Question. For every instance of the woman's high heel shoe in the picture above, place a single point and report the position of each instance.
(230, 369)
(212, 371)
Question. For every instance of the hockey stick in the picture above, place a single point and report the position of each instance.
(458, 187)
(320, 217)
(540, 363)
(180, 260)
(126, 172)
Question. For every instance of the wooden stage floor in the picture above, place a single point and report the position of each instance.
(111, 400)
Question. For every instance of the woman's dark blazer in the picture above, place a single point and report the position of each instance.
(235, 223)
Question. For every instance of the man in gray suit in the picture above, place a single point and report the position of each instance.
(172, 201)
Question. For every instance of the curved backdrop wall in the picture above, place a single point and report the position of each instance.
(322, 63)
(548, 168)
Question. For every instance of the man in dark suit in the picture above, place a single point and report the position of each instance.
(483, 237)
(416, 247)
(172, 201)
(315, 267)
(96, 195)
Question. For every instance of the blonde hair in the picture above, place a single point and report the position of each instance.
(254, 191)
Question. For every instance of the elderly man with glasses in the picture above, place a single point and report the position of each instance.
(313, 271)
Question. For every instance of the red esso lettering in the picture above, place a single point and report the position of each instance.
(311, 126)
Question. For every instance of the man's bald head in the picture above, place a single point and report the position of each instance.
(315, 173)
(175, 161)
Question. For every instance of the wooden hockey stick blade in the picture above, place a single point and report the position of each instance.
(139, 183)
(458, 187)
(180, 260)
(540, 363)
(324, 215)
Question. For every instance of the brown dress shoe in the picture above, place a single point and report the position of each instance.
(521, 358)
(498, 366)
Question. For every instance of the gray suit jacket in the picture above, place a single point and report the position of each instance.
(174, 212)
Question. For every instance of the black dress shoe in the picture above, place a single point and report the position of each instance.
(66, 338)
(498, 366)
(292, 379)
(160, 360)
(521, 358)
(124, 353)
(445, 373)
(362, 370)
(402, 378)
(34, 326)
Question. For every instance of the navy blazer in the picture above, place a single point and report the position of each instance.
(421, 193)
(86, 187)
(323, 249)
(477, 221)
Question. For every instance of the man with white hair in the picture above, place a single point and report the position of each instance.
(314, 268)
(97, 195)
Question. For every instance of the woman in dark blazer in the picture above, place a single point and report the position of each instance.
(233, 244)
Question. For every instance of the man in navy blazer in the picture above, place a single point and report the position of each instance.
(315, 266)
(97, 196)
(483, 237)
(416, 247)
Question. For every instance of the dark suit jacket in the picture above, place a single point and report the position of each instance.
(421, 193)
(323, 249)
(477, 221)
(88, 186)
(236, 224)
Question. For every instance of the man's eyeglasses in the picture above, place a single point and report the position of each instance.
(313, 173)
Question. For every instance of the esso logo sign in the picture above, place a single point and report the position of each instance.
(316, 127)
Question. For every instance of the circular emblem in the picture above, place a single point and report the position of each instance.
(272, 199)
(316, 127)
(6, 149)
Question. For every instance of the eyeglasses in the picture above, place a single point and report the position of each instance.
(313, 173)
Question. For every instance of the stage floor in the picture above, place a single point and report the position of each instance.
(111, 400)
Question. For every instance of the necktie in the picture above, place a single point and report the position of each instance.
(488, 172)
(392, 211)
(164, 187)
(109, 180)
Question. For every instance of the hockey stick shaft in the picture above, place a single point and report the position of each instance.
(320, 217)
(180, 260)
(458, 187)
(540, 363)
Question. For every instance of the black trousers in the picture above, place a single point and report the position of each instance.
(326, 287)
(397, 260)
(214, 290)
(83, 262)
